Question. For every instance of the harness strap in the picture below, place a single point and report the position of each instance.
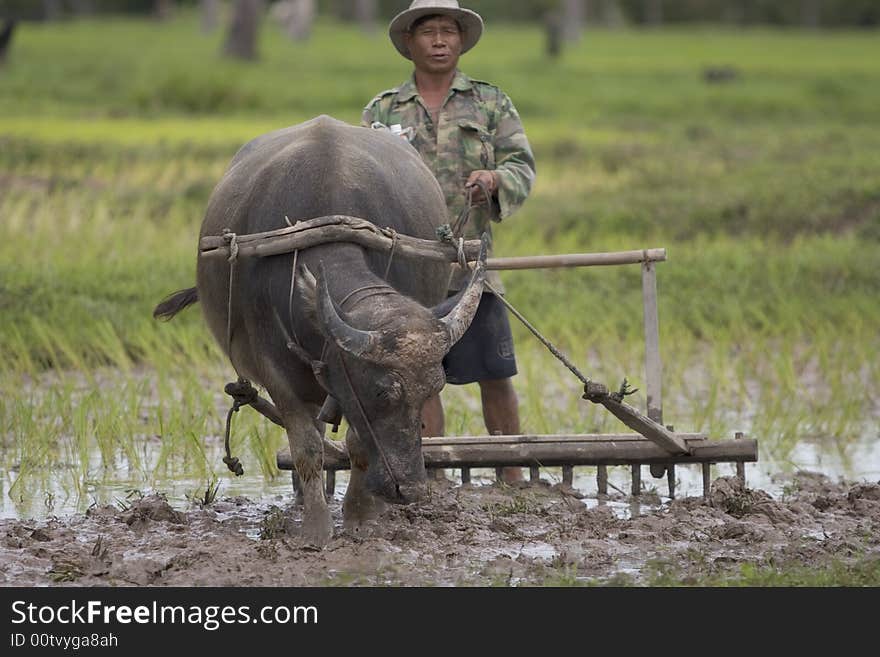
(366, 420)
(381, 286)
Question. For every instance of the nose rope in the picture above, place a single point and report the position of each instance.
(363, 413)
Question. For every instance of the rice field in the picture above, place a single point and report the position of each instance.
(764, 191)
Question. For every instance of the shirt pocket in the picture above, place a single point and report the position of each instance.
(477, 149)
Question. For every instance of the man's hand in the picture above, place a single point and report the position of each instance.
(489, 179)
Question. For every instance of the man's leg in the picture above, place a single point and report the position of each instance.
(434, 426)
(433, 420)
(501, 415)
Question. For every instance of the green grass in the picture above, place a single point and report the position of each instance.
(858, 572)
(763, 190)
(855, 573)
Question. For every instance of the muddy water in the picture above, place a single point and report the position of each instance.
(50, 493)
(122, 524)
(460, 535)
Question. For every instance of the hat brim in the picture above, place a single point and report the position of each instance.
(471, 26)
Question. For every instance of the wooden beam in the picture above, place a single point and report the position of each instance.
(602, 480)
(577, 260)
(335, 228)
(651, 430)
(740, 467)
(699, 438)
(653, 365)
(343, 228)
(593, 450)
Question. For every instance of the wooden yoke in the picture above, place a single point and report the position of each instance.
(344, 228)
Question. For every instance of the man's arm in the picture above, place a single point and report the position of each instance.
(376, 110)
(514, 160)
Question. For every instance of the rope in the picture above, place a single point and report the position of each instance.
(290, 296)
(232, 241)
(382, 290)
(594, 392)
(243, 394)
(363, 414)
(394, 239)
(562, 357)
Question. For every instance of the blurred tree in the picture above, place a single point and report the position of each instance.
(811, 13)
(573, 15)
(612, 13)
(735, 12)
(654, 12)
(6, 33)
(162, 9)
(82, 7)
(210, 13)
(365, 14)
(52, 9)
(241, 38)
(295, 17)
(553, 32)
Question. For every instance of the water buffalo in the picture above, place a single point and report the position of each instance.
(377, 343)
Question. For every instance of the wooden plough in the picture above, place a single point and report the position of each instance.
(653, 444)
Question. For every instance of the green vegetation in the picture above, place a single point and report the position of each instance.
(763, 189)
(856, 573)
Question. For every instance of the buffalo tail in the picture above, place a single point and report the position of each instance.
(174, 303)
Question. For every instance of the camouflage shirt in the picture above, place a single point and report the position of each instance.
(477, 128)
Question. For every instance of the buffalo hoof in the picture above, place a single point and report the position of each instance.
(360, 512)
(411, 493)
(317, 532)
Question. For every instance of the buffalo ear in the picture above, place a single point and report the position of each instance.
(307, 285)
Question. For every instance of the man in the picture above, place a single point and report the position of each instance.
(470, 135)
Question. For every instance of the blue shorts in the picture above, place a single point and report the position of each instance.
(485, 351)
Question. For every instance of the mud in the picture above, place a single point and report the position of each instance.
(460, 536)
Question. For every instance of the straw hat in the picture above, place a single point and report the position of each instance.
(471, 23)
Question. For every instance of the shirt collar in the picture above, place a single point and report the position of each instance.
(408, 89)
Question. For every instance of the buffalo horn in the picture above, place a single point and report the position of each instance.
(355, 341)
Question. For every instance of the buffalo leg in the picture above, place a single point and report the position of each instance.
(307, 451)
(360, 506)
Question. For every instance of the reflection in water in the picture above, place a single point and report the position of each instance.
(71, 441)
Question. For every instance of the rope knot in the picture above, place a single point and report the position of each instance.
(242, 392)
(234, 465)
(462, 259)
(444, 233)
(231, 240)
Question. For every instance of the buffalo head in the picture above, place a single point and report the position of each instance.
(382, 374)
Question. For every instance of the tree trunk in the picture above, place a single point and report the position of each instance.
(553, 33)
(51, 10)
(344, 10)
(735, 12)
(6, 33)
(654, 12)
(573, 15)
(295, 17)
(241, 39)
(612, 13)
(210, 12)
(365, 14)
(82, 7)
(162, 9)
(811, 13)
